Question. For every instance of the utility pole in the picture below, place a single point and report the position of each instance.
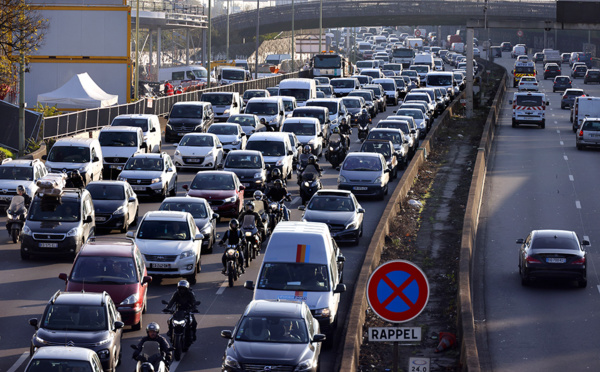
(321, 27)
(257, 39)
(209, 45)
(22, 105)
(136, 82)
(227, 48)
(469, 87)
(293, 46)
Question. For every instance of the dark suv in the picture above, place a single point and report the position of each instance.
(187, 117)
(506, 46)
(579, 71)
(551, 70)
(561, 83)
(83, 319)
(592, 76)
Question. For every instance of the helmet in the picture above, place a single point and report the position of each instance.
(258, 195)
(153, 327)
(343, 120)
(249, 206)
(278, 184)
(306, 149)
(20, 188)
(233, 224)
(183, 286)
(276, 173)
(336, 130)
(312, 160)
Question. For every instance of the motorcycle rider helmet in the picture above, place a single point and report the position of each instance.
(258, 195)
(278, 184)
(249, 206)
(20, 188)
(336, 130)
(183, 286)
(276, 173)
(233, 224)
(152, 327)
(312, 160)
(306, 149)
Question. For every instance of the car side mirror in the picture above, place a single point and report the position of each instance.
(147, 279)
(227, 334)
(520, 241)
(88, 219)
(547, 103)
(242, 188)
(387, 170)
(143, 145)
(119, 324)
(130, 234)
(234, 104)
(199, 236)
(220, 166)
(185, 187)
(63, 276)
(301, 207)
(320, 134)
(215, 216)
(510, 101)
(44, 157)
(290, 152)
(169, 170)
(361, 210)
(131, 199)
(585, 242)
(249, 285)
(341, 258)
(33, 322)
(95, 159)
(153, 130)
(340, 288)
(318, 337)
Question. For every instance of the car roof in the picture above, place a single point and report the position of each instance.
(63, 352)
(208, 173)
(8, 162)
(297, 119)
(278, 308)
(244, 152)
(135, 116)
(166, 215)
(265, 136)
(78, 298)
(104, 246)
(120, 129)
(334, 192)
(75, 142)
(363, 154)
(108, 182)
(192, 103)
(264, 99)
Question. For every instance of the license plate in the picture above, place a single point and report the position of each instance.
(48, 245)
(215, 208)
(138, 188)
(114, 166)
(5, 197)
(181, 134)
(556, 260)
(246, 184)
(160, 266)
(193, 160)
(100, 219)
(360, 188)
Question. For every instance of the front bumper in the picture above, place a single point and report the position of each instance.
(195, 162)
(231, 210)
(148, 190)
(350, 235)
(170, 265)
(130, 315)
(364, 189)
(46, 247)
(109, 221)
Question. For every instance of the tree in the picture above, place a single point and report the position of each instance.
(21, 31)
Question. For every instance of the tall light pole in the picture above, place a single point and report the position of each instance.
(293, 46)
(22, 104)
(321, 26)
(209, 46)
(227, 48)
(257, 39)
(136, 79)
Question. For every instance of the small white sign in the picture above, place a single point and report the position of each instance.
(149, 102)
(418, 365)
(395, 334)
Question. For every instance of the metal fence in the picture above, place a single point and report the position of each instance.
(94, 119)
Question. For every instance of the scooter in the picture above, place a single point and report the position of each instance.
(336, 152)
(252, 239)
(16, 214)
(150, 358)
(181, 336)
(363, 126)
(311, 183)
(233, 270)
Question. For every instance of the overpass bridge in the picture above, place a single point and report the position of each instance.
(356, 13)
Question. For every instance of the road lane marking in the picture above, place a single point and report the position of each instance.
(566, 157)
(175, 364)
(223, 286)
(19, 361)
(562, 143)
(296, 200)
(558, 131)
(578, 204)
(571, 177)
(555, 122)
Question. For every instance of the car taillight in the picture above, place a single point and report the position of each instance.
(581, 133)
(547, 71)
(534, 83)
(532, 260)
(580, 261)
(564, 97)
(514, 107)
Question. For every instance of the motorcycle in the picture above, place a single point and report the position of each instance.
(233, 271)
(311, 183)
(181, 336)
(336, 151)
(150, 358)
(252, 239)
(363, 128)
(16, 214)
(276, 211)
(302, 163)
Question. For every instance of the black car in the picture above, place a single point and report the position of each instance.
(83, 319)
(538, 57)
(551, 70)
(592, 76)
(277, 335)
(380, 96)
(506, 46)
(115, 203)
(187, 117)
(250, 168)
(357, 109)
(569, 96)
(370, 102)
(579, 71)
(561, 83)
(552, 253)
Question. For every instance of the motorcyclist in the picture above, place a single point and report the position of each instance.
(249, 211)
(278, 193)
(303, 158)
(313, 166)
(152, 334)
(184, 300)
(26, 198)
(345, 128)
(261, 208)
(337, 137)
(276, 174)
(75, 180)
(235, 237)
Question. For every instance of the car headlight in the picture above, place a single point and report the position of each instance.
(257, 175)
(236, 142)
(279, 162)
(26, 230)
(230, 200)
(226, 112)
(351, 226)
(177, 153)
(377, 180)
(186, 254)
(119, 211)
(103, 354)
(323, 313)
(83, 169)
(156, 180)
(342, 179)
(231, 362)
(305, 365)
(73, 232)
(124, 179)
(130, 300)
(206, 229)
(41, 340)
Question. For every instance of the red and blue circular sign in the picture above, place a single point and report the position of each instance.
(398, 291)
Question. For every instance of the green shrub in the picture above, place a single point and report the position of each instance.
(5, 153)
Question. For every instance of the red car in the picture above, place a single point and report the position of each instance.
(114, 265)
(222, 190)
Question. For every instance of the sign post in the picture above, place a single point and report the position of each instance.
(397, 292)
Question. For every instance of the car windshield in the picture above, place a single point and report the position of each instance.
(367, 96)
(233, 74)
(554, 242)
(223, 129)
(331, 203)
(364, 64)
(131, 122)
(63, 211)
(420, 68)
(388, 86)
(118, 139)
(439, 80)
(213, 181)
(69, 317)
(254, 93)
(145, 164)
(299, 277)
(409, 73)
(196, 208)
(69, 154)
(164, 230)
(300, 129)
(104, 270)
(351, 103)
(186, 111)
(342, 83)
(402, 125)
(417, 97)
(309, 114)
(16, 173)
(562, 80)
(216, 99)
(244, 121)
(272, 329)
(102, 191)
(331, 105)
(288, 105)
(325, 89)
(383, 148)
(267, 148)
(529, 101)
(299, 94)
(363, 163)
(197, 141)
(261, 108)
(415, 106)
(243, 161)
(46, 365)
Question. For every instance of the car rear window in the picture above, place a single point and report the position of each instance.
(553, 242)
(592, 126)
(529, 101)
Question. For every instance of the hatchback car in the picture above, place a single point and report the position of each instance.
(254, 93)
(115, 203)
(151, 175)
(551, 70)
(385, 148)
(588, 134)
(506, 46)
(418, 116)
(538, 57)
(203, 215)
(564, 57)
(528, 83)
(365, 173)
(199, 151)
(249, 167)
(592, 76)
(221, 189)
(398, 139)
(569, 96)
(85, 319)
(274, 335)
(171, 244)
(19, 172)
(114, 265)
(231, 135)
(64, 358)
(579, 71)
(553, 253)
(340, 210)
(371, 104)
(562, 82)
(250, 123)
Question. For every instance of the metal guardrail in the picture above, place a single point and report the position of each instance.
(94, 119)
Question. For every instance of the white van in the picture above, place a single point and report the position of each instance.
(83, 155)
(289, 104)
(301, 89)
(176, 75)
(529, 108)
(439, 79)
(424, 59)
(303, 262)
(518, 50)
(224, 104)
(361, 65)
(308, 131)
(118, 145)
(276, 149)
(336, 107)
(583, 107)
(149, 125)
(268, 109)
(458, 47)
(230, 75)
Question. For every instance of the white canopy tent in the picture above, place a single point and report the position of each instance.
(80, 92)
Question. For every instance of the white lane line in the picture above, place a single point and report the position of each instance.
(555, 122)
(566, 157)
(19, 361)
(223, 286)
(553, 115)
(558, 131)
(571, 177)
(297, 199)
(175, 364)
(562, 143)
(577, 204)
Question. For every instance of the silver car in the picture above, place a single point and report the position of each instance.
(365, 173)
(588, 133)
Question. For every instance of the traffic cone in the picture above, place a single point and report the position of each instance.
(447, 340)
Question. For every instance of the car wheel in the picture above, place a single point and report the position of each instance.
(138, 326)
(163, 193)
(579, 147)
(543, 125)
(524, 278)
(135, 219)
(24, 255)
(173, 192)
(583, 282)
(192, 278)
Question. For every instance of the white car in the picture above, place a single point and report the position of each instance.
(528, 83)
(19, 172)
(170, 243)
(199, 150)
(231, 135)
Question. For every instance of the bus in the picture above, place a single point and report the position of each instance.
(331, 65)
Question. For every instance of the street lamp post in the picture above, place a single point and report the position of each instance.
(209, 45)
(257, 39)
(293, 46)
(136, 82)
(22, 105)
(321, 26)
(227, 48)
